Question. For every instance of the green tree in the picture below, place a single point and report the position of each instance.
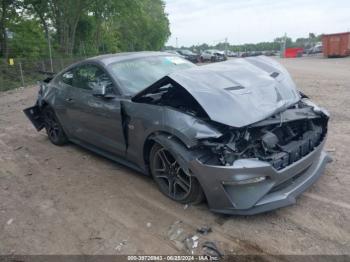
(102, 26)
(145, 28)
(7, 15)
(282, 39)
(28, 39)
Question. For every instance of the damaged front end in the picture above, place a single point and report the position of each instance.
(271, 145)
(265, 165)
(256, 168)
(33, 113)
(279, 140)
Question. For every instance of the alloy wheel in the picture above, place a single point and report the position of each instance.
(172, 179)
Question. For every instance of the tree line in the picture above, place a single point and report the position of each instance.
(81, 27)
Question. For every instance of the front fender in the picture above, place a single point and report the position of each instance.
(187, 128)
(145, 120)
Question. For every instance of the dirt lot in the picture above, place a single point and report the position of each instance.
(66, 200)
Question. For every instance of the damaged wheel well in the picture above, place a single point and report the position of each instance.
(176, 147)
(146, 152)
(152, 139)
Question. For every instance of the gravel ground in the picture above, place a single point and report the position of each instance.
(66, 200)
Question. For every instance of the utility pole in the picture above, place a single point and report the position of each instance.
(21, 72)
(283, 45)
(47, 34)
(226, 46)
(176, 43)
(82, 44)
(50, 52)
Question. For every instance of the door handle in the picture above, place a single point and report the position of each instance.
(70, 100)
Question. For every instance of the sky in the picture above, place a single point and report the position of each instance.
(252, 21)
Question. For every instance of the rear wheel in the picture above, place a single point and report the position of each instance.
(53, 128)
(171, 179)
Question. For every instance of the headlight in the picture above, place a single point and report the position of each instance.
(315, 107)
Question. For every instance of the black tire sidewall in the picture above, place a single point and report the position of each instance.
(62, 138)
(196, 194)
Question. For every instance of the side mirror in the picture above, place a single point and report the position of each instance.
(103, 89)
(98, 89)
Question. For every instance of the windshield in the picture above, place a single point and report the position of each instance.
(137, 74)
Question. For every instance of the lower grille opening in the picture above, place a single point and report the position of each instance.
(288, 182)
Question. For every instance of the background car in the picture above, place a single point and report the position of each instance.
(269, 53)
(245, 54)
(318, 48)
(231, 54)
(255, 53)
(213, 55)
(189, 55)
(175, 53)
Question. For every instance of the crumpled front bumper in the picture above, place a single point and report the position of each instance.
(227, 190)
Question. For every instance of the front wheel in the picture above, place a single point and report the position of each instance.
(171, 179)
(53, 128)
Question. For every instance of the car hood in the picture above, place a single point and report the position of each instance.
(238, 92)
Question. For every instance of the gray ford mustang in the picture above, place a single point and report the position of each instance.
(236, 133)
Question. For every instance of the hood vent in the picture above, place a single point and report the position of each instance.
(274, 74)
(231, 88)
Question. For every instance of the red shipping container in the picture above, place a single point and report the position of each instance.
(336, 45)
(293, 52)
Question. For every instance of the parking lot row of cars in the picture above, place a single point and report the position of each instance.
(205, 56)
(213, 55)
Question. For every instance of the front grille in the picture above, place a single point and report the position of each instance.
(295, 150)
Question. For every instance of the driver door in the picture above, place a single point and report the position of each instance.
(96, 120)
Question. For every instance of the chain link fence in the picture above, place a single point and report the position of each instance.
(24, 72)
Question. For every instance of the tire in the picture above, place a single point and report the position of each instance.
(171, 179)
(53, 128)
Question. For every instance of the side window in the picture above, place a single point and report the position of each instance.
(67, 77)
(86, 76)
